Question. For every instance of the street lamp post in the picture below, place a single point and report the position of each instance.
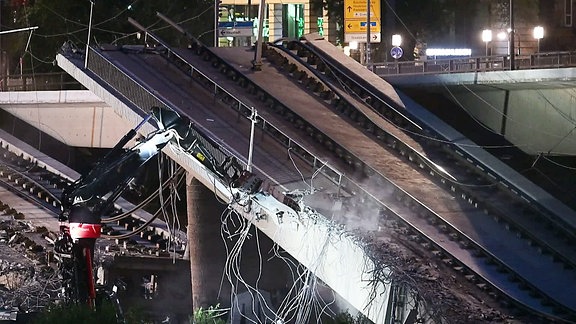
(538, 34)
(512, 35)
(486, 38)
(396, 42)
(89, 32)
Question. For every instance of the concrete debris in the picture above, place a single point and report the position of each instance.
(449, 298)
(27, 281)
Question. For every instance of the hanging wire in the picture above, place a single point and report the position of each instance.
(302, 299)
(146, 201)
(393, 10)
(138, 230)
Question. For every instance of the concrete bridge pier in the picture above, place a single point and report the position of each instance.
(252, 260)
(207, 250)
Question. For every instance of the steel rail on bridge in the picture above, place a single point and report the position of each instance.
(550, 60)
(422, 237)
(351, 185)
(178, 59)
(495, 290)
(143, 98)
(262, 208)
(243, 109)
(133, 90)
(545, 207)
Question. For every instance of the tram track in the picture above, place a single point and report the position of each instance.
(442, 147)
(28, 180)
(456, 223)
(473, 186)
(466, 179)
(478, 203)
(42, 188)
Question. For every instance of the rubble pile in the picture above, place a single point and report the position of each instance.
(28, 281)
(445, 297)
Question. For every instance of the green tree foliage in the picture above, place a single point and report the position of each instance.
(211, 315)
(524, 11)
(64, 314)
(61, 21)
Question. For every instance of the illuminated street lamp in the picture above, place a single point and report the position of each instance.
(538, 34)
(396, 40)
(486, 38)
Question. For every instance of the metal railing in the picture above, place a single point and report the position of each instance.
(140, 96)
(432, 65)
(245, 109)
(39, 82)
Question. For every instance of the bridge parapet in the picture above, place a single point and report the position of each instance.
(476, 64)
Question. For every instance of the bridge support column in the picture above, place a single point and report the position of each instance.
(207, 251)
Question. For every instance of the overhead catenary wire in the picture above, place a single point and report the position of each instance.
(170, 216)
(393, 10)
(302, 299)
(353, 93)
(526, 145)
(96, 26)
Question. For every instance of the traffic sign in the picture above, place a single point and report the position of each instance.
(356, 21)
(356, 9)
(235, 28)
(396, 52)
(361, 37)
(235, 24)
(235, 32)
(358, 26)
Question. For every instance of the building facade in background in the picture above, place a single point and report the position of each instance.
(465, 25)
(290, 19)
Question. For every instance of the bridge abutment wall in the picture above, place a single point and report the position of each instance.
(533, 109)
(74, 117)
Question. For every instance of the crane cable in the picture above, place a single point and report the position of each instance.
(144, 202)
(140, 229)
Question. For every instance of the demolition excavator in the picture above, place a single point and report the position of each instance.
(90, 198)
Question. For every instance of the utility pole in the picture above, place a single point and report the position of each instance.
(257, 63)
(511, 38)
(368, 33)
(89, 32)
(254, 120)
(27, 44)
(216, 13)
